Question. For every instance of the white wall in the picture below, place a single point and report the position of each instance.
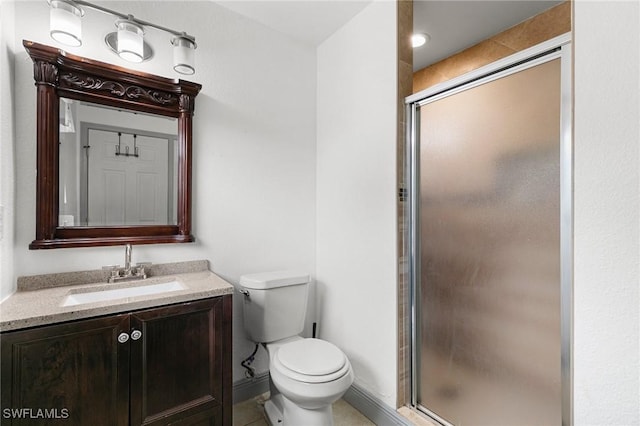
(7, 142)
(254, 146)
(356, 206)
(607, 193)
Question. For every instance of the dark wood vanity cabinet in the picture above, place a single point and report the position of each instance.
(77, 371)
(180, 369)
(163, 366)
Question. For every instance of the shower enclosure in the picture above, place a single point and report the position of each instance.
(490, 243)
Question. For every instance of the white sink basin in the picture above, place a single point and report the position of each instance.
(103, 295)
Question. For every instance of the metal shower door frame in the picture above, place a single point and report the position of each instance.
(556, 48)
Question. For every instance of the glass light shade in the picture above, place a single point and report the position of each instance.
(183, 55)
(65, 22)
(130, 41)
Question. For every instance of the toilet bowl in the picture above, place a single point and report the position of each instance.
(307, 375)
(310, 375)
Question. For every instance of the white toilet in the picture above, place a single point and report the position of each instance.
(307, 375)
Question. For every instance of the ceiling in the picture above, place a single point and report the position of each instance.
(456, 25)
(309, 21)
(452, 24)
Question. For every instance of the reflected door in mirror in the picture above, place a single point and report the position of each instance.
(129, 179)
(117, 167)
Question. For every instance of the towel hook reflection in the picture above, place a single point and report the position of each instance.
(126, 148)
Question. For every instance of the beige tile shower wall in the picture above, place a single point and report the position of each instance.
(405, 77)
(542, 27)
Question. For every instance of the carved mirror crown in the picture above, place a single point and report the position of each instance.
(58, 74)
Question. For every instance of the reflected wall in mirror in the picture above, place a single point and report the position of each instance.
(117, 167)
(113, 153)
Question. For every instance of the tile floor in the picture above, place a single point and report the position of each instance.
(250, 413)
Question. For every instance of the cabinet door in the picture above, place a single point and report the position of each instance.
(69, 374)
(181, 364)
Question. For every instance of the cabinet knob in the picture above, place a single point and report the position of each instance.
(123, 337)
(136, 334)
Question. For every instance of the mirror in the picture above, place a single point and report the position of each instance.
(117, 167)
(114, 153)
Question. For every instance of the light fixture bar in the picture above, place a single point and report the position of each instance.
(128, 42)
(132, 18)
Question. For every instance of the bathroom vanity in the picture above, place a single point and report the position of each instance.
(146, 359)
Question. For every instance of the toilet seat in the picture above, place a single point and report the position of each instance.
(311, 361)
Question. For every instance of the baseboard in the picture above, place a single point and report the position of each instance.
(374, 409)
(248, 388)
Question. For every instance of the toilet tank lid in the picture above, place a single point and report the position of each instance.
(266, 280)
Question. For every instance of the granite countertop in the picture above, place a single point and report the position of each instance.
(39, 299)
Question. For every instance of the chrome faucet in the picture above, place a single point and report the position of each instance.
(127, 260)
(128, 272)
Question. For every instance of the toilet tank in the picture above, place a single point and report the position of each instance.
(275, 304)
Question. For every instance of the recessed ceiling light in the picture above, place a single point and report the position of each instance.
(419, 39)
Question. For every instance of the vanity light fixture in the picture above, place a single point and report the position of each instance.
(419, 39)
(65, 22)
(184, 47)
(128, 41)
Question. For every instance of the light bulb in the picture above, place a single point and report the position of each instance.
(419, 39)
(65, 22)
(184, 54)
(130, 40)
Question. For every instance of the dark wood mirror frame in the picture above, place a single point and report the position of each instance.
(58, 74)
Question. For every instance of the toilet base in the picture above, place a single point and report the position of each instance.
(282, 412)
(273, 410)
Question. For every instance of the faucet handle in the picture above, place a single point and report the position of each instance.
(142, 268)
(113, 270)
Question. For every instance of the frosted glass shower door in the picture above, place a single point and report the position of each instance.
(489, 251)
